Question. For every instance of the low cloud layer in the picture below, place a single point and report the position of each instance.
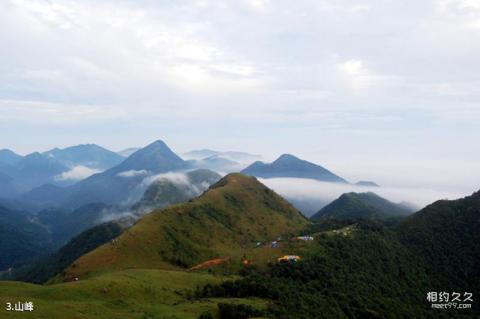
(133, 173)
(308, 192)
(124, 211)
(77, 173)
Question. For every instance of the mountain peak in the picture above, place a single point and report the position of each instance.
(236, 212)
(287, 157)
(157, 143)
(288, 165)
(362, 206)
(9, 157)
(156, 157)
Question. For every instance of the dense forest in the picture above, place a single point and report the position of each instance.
(378, 272)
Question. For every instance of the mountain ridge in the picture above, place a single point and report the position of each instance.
(361, 206)
(287, 165)
(230, 217)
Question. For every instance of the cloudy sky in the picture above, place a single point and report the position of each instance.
(385, 90)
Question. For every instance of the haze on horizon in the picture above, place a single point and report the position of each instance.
(387, 91)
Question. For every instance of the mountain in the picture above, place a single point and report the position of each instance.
(9, 157)
(59, 167)
(369, 270)
(45, 195)
(21, 238)
(175, 189)
(367, 184)
(199, 154)
(353, 206)
(63, 224)
(47, 267)
(156, 157)
(128, 151)
(240, 157)
(88, 155)
(7, 186)
(83, 222)
(359, 270)
(217, 163)
(445, 235)
(229, 218)
(36, 169)
(290, 166)
(122, 183)
(308, 206)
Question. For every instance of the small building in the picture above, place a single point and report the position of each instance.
(289, 258)
(305, 238)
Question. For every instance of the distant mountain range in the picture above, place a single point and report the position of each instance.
(59, 167)
(354, 206)
(8, 157)
(290, 166)
(121, 183)
(238, 157)
(217, 163)
(89, 155)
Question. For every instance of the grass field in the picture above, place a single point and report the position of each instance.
(122, 294)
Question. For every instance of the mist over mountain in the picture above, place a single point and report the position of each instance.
(217, 163)
(311, 195)
(175, 188)
(128, 151)
(61, 167)
(89, 155)
(122, 182)
(367, 184)
(237, 157)
(290, 166)
(34, 170)
(233, 214)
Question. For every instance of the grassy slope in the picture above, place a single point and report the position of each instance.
(135, 277)
(226, 221)
(123, 294)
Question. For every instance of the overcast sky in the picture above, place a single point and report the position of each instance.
(384, 90)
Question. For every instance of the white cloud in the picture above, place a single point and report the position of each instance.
(310, 190)
(77, 173)
(133, 173)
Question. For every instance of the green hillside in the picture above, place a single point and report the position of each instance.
(376, 271)
(132, 294)
(363, 269)
(225, 222)
(353, 206)
(446, 235)
(47, 267)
